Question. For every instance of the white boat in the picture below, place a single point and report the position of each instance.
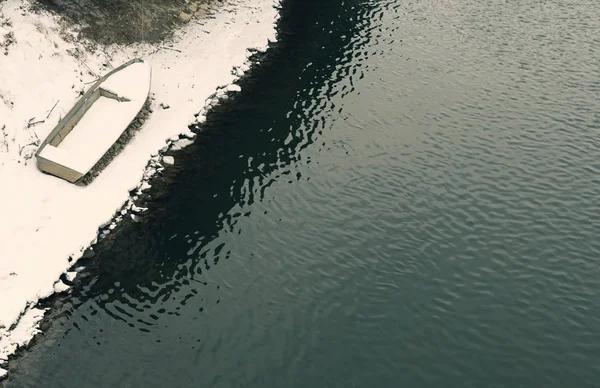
(96, 122)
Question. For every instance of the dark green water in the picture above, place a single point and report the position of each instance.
(403, 195)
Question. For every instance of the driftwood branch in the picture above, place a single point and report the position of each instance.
(27, 157)
(91, 71)
(31, 123)
(37, 139)
(170, 48)
(48, 116)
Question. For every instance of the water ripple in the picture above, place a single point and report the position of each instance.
(411, 201)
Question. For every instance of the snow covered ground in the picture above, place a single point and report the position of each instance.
(46, 223)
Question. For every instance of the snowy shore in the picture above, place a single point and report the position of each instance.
(47, 223)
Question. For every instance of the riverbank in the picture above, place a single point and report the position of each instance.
(46, 63)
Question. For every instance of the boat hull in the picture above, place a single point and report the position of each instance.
(96, 122)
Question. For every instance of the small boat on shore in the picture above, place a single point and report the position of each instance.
(96, 122)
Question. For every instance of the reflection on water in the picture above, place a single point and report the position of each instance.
(403, 194)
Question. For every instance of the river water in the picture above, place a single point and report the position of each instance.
(403, 194)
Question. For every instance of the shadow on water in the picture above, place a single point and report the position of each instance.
(251, 138)
(247, 143)
(265, 126)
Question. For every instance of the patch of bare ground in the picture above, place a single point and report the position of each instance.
(129, 21)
